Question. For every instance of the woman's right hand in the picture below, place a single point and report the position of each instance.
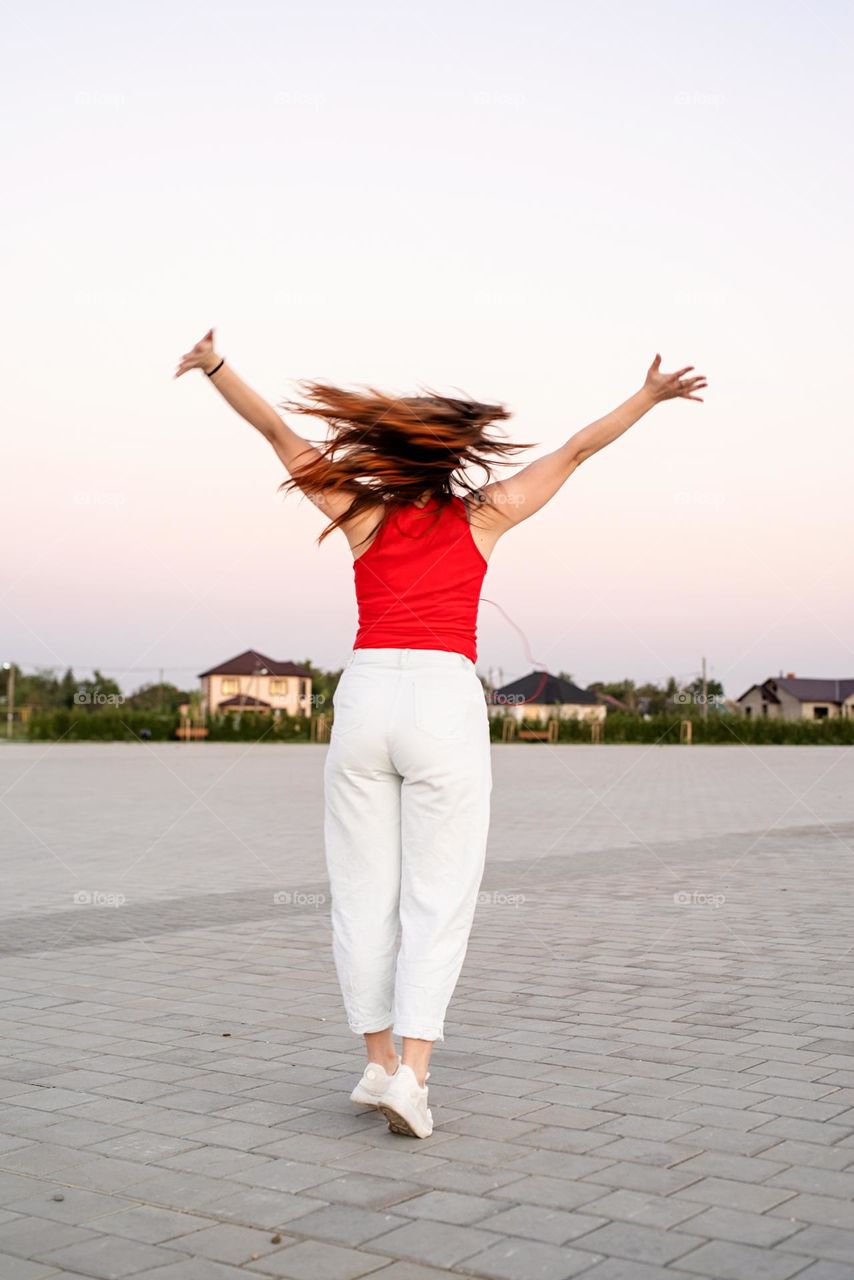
(202, 356)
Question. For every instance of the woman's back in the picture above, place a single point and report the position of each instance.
(418, 584)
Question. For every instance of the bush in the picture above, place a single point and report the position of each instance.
(120, 725)
(664, 728)
(125, 725)
(249, 727)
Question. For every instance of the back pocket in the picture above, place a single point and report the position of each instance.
(446, 703)
(351, 702)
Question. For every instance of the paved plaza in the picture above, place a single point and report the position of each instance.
(649, 1069)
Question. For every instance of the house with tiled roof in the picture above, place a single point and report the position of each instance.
(542, 696)
(253, 682)
(794, 697)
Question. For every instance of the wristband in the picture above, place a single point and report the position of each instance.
(210, 373)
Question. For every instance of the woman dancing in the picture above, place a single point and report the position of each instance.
(407, 777)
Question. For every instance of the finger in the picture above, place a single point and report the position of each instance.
(680, 372)
(697, 398)
(656, 362)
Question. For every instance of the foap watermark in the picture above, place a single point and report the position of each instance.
(688, 697)
(99, 498)
(298, 98)
(298, 898)
(700, 498)
(494, 898)
(697, 98)
(97, 898)
(94, 696)
(99, 98)
(695, 898)
(497, 98)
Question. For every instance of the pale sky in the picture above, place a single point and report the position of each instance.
(523, 202)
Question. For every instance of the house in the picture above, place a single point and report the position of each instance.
(541, 696)
(794, 697)
(253, 682)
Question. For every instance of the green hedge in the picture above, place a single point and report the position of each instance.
(120, 725)
(124, 725)
(622, 726)
(249, 727)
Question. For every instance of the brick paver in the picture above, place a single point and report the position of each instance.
(649, 1070)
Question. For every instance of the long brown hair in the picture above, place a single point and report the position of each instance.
(391, 450)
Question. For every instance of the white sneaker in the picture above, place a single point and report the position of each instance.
(404, 1104)
(375, 1080)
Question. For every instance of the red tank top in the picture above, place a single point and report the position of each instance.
(418, 584)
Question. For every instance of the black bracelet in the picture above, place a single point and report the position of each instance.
(211, 372)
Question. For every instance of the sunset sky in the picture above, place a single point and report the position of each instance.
(518, 202)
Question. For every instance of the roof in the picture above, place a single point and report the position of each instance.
(246, 701)
(542, 688)
(804, 688)
(612, 701)
(253, 663)
(767, 693)
(808, 690)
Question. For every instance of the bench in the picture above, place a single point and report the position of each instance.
(539, 735)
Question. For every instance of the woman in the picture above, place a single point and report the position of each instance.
(407, 776)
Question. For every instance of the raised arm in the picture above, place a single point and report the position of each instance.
(293, 450)
(513, 500)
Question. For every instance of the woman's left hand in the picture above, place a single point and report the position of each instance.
(669, 386)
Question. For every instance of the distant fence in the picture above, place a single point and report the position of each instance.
(120, 725)
(134, 726)
(667, 728)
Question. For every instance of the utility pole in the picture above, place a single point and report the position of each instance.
(705, 693)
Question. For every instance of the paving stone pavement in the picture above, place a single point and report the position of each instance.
(649, 1065)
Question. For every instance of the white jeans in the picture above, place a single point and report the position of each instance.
(407, 783)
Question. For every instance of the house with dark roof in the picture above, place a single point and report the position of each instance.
(542, 696)
(794, 697)
(253, 682)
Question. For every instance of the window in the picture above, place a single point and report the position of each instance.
(303, 688)
(820, 713)
(278, 686)
(230, 687)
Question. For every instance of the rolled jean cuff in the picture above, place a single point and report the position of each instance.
(372, 1028)
(413, 1032)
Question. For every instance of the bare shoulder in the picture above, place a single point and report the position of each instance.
(487, 518)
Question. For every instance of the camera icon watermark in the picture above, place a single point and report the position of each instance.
(694, 898)
(496, 898)
(99, 497)
(94, 696)
(97, 898)
(298, 898)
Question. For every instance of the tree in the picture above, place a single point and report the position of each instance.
(693, 693)
(623, 690)
(323, 684)
(160, 696)
(98, 694)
